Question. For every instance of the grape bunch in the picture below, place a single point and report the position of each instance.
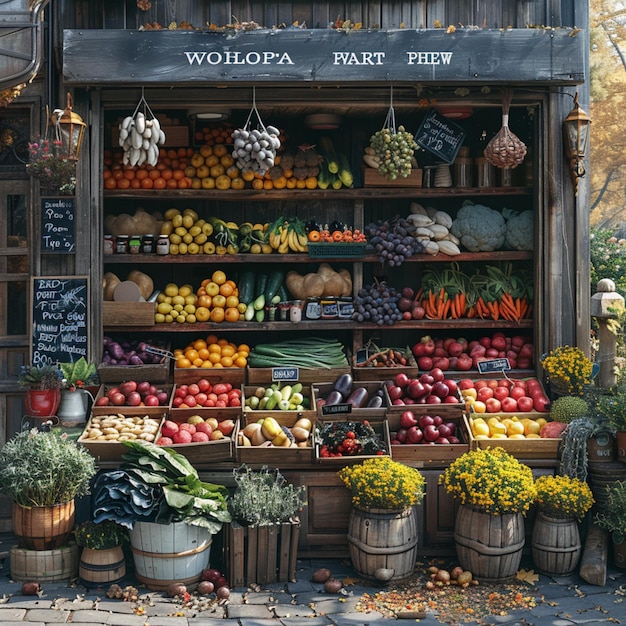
(255, 149)
(394, 150)
(377, 303)
(394, 240)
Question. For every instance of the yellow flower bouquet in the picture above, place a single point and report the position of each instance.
(569, 368)
(563, 496)
(492, 480)
(381, 483)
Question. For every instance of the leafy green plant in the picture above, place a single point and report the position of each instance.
(264, 497)
(381, 483)
(101, 536)
(40, 377)
(611, 406)
(613, 515)
(44, 468)
(80, 373)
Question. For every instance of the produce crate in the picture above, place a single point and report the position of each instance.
(152, 411)
(547, 449)
(262, 554)
(304, 375)
(127, 313)
(155, 373)
(422, 455)
(380, 426)
(210, 451)
(371, 178)
(384, 373)
(187, 375)
(248, 391)
(347, 411)
(329, 250)
(274, 456)
(109, 450)
(447, 411)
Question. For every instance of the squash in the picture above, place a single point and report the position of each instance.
(110, 282)
(347, 278)
(334, 285)
(143, 281)
(313, 285)
(141, 223)
(295, 285)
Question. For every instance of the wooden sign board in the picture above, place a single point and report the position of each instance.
(440, 136)
(60, 319)
(57, 225)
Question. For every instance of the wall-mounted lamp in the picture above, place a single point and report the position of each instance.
(576, 135)
(69, 129)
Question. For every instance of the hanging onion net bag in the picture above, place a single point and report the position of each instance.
(506, 149)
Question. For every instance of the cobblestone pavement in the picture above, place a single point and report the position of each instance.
(557, 602)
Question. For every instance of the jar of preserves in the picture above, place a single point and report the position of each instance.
(134, 244)
(121, 244)
(163, 245)
(109, 244)
(147, 244)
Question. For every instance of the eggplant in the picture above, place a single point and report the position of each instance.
(344, 385)
(334, 397)
(358, 397)
(375, 402)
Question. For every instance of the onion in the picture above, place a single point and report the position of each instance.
(176, 589)
(223, 593)
(332, 585)
(205, 587)
(321, 575)
(135, 360)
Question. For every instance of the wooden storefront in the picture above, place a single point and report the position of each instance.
(299, 66)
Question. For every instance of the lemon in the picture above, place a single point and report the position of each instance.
(190, 308)
(207, 229)
(188, 221)
(192, 298)
(191, 319)
(195, 230)
(181, 231)
(161, 297)
(177, 220)
(174, 248)
(178, 299)
(169, 319)
(181, 319)
(199, 240)
(188, 238)
(208, 247)
(171, 289)
(159, 318)
(178, 307)
(182, 248)
(175, 238)
(171, 213)
(164, 308)
(185, 290)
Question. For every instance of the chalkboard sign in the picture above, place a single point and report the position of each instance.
(440, 136)
(57, 225)
(60, 319)
(494, 365)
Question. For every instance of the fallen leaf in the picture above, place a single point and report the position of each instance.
(349, 582)
(527, 576)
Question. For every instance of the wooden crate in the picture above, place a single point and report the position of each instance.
(186, 375)
(275, 456)
(384, 373)
(127, 313)
(257, 414)
(155, 372)
(371, 178)
(422, 455)
(261, 555)
(321, 390)
(380, 426)
(261, 375)
(152, 411)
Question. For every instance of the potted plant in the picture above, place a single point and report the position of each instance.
(102, 558)
(171, 514)
(495, 490)
(612, 518)
(43, 472)
(43, 389)
(55, 171)
(612, 406)
(562, 501)
(74, 395)
(382, 528)
(264, 508)
(568, 370)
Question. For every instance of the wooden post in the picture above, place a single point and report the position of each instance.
(606, 304)
(594, 559)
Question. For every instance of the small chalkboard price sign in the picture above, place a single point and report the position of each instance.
(60, 320)
(440, 136)
(57, 225)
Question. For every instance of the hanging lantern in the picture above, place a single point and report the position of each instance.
(576, 134)
(69, 129)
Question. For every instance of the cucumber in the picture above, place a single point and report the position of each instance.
(259, 303)
(249, 313)
(259, 315)
(282, 292)
(274, 281)
(245, 284)
(260, 284)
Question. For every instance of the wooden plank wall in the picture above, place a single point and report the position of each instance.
(120, 14)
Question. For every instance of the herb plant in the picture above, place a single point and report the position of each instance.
(100, 536)
(613, 516)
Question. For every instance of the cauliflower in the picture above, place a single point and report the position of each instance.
(519, 231)
(479, 228)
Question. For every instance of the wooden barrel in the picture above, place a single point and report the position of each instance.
(101, 567)
(44, 565)
(619, 553)
(383, 539)
(556, 546)
(490, 546)
(620, 439)
(167, 553)
(43, 527)
(603, 475)
(601, 448)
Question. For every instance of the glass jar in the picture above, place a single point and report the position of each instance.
(121, 244)
(134, 244)
(147, 244)
(163, 245)
(109, 244)
(295, 311)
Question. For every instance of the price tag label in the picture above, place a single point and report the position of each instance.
(336, 409)
(494, 365)
(287, 374)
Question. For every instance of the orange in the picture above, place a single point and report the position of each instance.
(117, 174)
(243, 347)
(167, 174)
(226, 289)
(222, 341)
(233, 302)
(183, 362)
(203, 353)
(218, 277)
(215, 357)
(215, 348)
(205, 301)
(217, 315)
(141, 174)
(183, 183)
(240, 361)
(231, 314)
(227, 361)
(129, 173)
(135, 183)
(178, 174)
(203, 314)
(211, 339)
(198, 362)
(160, 183)
(154, 174)
(147, 183)
(123, 183)
(191, 354)
(110, 183)
(229, 350)
(171, 184)
(198, 344)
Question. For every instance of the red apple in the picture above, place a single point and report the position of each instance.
(193, 389)
(541, 404)
(151, 400)
(112, 392)
(480, 384)
(182, 436)
(118, 399)
(401, 435)
(437, 374)
(143, 387)
(517, 392)
(199, 437)
(415, 389)
(169, 428)
(431, 433)
(134, 398)
(128, 387)
(500, 393)
(204, 385)
(433, 399)
(451, 400)
(203, 427)
(414, 435)
(466, 383)
(440, 389)
(510, 405)
(164, 441)
(484, 394)
(493, 405)
(191, 428)
(103, 401)
(401, 380)
(525, 404)
(395, 392)
(437, 420)
(452, 386)
(426, 420)
(407, 419)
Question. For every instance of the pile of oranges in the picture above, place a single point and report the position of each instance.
(212, 352)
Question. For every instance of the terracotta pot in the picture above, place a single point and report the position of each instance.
(42, 402)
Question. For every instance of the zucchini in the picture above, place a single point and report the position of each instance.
(259, 315)
(260, 284)
(324, 178)
(274, 281)
(259, 303)
(345, 173)
(245, 284)
(282, 292)
(328, 150)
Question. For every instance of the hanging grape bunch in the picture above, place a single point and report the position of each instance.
(394, 150)
(377, 303)
(394, 240)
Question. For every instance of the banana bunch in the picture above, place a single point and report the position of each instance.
(140, 137)
(288, 235)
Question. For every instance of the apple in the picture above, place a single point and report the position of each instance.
(395, 392)
(200, 437)
(151, 400)
(190, 401)
(433, 399)
(128, 387)
(143, 387)
(212, 422)
(541, 404)
(407, 419)
(466, 383)
(453, 388)
(525, 404)
(414, 435)
(480, 384)
(425, 362)
(203, 427)
(188, 427)
(103, 401)
(442, 440)
(226, 426)
(211, 574)
(164, 441)
(431, 433)
(510, 405)
(484, 394)
(162, 397)
(500, 393)
(437, 374)
(451, 427)
(134, 398)
(440, 389)
(493, 405)
(437, 420)
(444, 430)
(112, 392)
(451, 400)
(401, 435)
(453, 439)
(425, 420)
(182, 436)
(118, 399)
(193, 389)
(204, 385)
(416, 389)
(418, 313)
(401, 380)
(517, 392)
